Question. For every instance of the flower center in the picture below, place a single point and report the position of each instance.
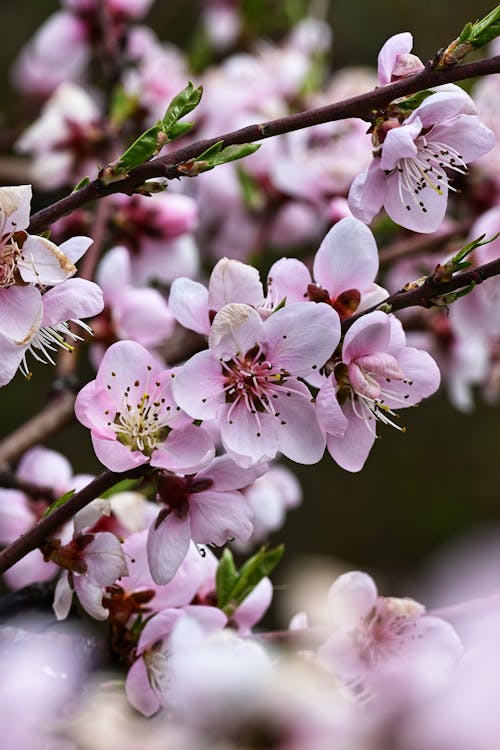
(8, 264)
(142, 424)
(426, 170)
(50, 339)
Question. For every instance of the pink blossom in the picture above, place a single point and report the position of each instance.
(148, 680)
(248, 380)
(205, 507)
(269, 497)
(136, 313)
(58, 52)
(65, 140)
(133, 9)
(344, 271)
(39, 324)
(378, 373)
(395, 61)
(408, 172)
(133, 417)
(90, 561)
(376, 638)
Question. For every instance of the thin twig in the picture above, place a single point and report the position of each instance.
(48, 525)
(424, 243)
(360, 106)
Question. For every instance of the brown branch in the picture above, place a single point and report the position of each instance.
(54, 415)
(360, 106)
(44, 528)
(429, 291)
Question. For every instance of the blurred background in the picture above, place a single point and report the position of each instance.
(420, 490)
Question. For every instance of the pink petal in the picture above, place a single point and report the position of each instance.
(226, 475)
(400, 144)
(167, 547)
(124, 363)
(143, 316)
(236, 329)
(186, 450)
(90, 597)
(330, 415)
(399, 44)
(253, 608)
(350, 599)
(20, 313)
(288, 279)
(45, 468)
(63, 597)
(75, 247)
(466, 134)
(198, 386)
(367, 192)
(113, 273)
(404, 207)
(423, 373)
(15, 206)
(188, 302)
(233, 281)
(42, 262)
(105, 559)
(367, 335)
(115, 455)
(32, 568)
(73, 299)
(216, 517)
(15, 515)
(139, 691)
(352, 449)
(441, 106)
(248, 438)
(299, 434)
(302, 336)
(347, 258)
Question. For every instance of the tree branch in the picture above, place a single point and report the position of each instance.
(362, 106)
(44, 528)
(426, 294)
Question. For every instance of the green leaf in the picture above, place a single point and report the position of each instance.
(230, 153)
(124, 486)
(180, 128)
(83, 183)
(183, 103)
(483, 31)
(57, 503)
(253, 571)
(211, 152)
(141, 150)
(412, 102)
(225, 578)
(458, 262)
(123, 106)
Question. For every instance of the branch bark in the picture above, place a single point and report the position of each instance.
(360, 106)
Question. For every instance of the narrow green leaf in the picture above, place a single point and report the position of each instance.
(226, 577)
(57, 503)
(141, 150)
(412, 102)
(83, 183)
(254, 570)
(230, 153)
(179, 129)
(183, 103)
(210, 152)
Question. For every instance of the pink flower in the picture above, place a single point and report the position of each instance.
(395, 61)
(138, 314)
(45, 475)
(248, 380)
(408, 173)
(91, 562)
(133, 417)
(66, 139)
(58, 52)
(39, 324)
(205, 507)
(378, 373)
(148, 680)
(382, 638)
(344, 272)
